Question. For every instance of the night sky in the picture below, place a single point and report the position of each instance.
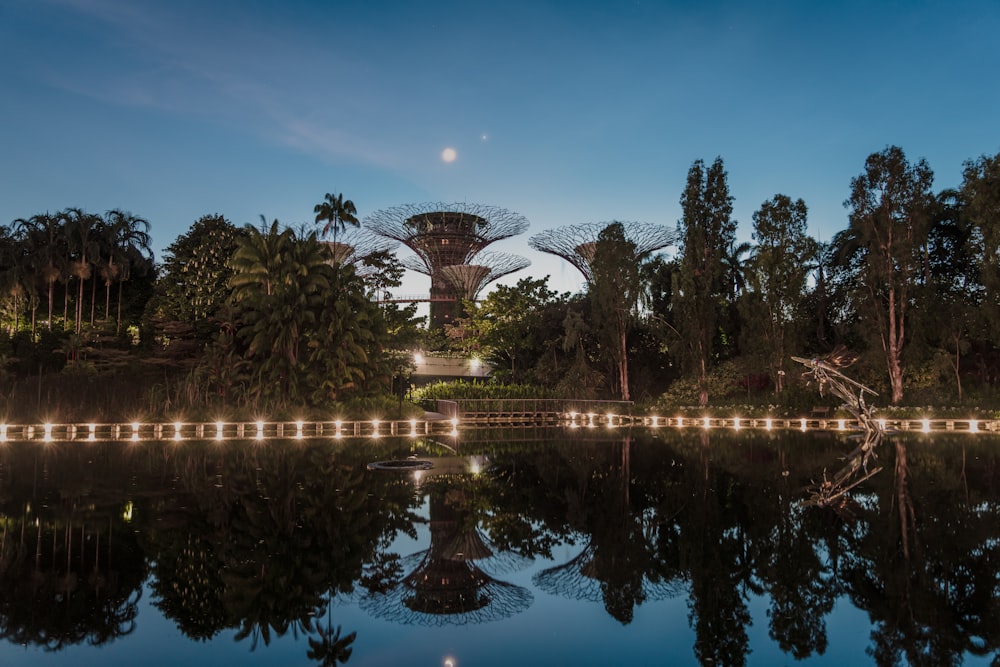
(565, 112)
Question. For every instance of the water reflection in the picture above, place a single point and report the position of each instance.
(260, 542)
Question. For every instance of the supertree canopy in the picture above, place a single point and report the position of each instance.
(578, 243)
(444, 236)
(355, 244)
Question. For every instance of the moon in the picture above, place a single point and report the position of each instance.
(449, 154)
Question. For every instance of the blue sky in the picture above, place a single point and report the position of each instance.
(565, 112)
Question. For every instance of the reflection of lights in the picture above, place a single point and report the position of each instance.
(736, 423)
(298, 430)
(127, 511)
(260, 430)
(375, 425)
(418, 475)
(135, 431)
(767, 423)
(611, 420)
(3, 433)
(680, 422)
(706, 422)
(926, 425)
(841, 424)
(336, 433)
(92, 431)
(218, 430)
(413, 428)
(655, 420)
(973, 426)
(48, 432)
(590, 419)
(802, 423)
(177, 430)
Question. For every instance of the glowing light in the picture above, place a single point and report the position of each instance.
(47, 428)
(449, 154)
(92, 432)
(127, 511)
(590, 419)
(413, 428)
(418, 358)
(680, 422)
(926, 425)
(973, 426)
(736, 423)
(706, 422)
(449, 662)
(298, 430)
(841, 424)
(135, 431)
(454, 427)
(375, 425)
(177, 430)
(260, 430)
(655, 419)
(474, 363)
(768, 424)
(3, 433)
(611, 420)
(218, 430)
(337, 424)
(881, 424)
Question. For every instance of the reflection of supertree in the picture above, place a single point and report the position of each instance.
(355, 244)
(446, 584)
(577, 243)
(445, 235)
(581, 579)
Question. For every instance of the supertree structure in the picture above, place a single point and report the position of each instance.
(577, 243)
(447, 235)
(468, 280)
(354, 244)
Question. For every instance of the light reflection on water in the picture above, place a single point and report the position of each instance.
(607, 548)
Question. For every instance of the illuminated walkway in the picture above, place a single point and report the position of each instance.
(309, 430)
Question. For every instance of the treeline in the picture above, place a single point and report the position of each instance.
(910, 287)
(269, 318)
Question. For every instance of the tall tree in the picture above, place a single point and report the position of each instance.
(708, 231)
(889, 214)
(46, 242)
(777, 278)
(614, 290)
(82, 231)
(128, 243)
(337, 212)
(980, 197)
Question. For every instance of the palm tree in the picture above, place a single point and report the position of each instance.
(734, 262)
(46, 248)
(128, 245)
(337, 212)
(81, 229)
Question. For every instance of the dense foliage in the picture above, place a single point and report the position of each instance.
(268, 318)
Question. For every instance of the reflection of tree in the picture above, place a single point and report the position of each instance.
(447, 583)
(70, 569)
(271, 535)
(616, 567)
(929, 585)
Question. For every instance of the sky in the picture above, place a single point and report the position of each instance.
(563, 112)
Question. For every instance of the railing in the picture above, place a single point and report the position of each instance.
(539, 410)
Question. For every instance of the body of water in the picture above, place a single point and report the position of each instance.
(525, 546)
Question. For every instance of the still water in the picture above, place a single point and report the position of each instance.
(531, 547)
